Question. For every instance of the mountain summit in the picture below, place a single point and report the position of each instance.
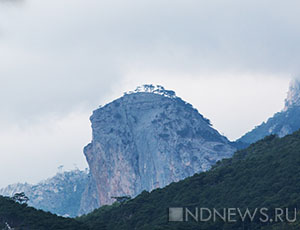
(145, 140)
(282, 123)
(293, 97)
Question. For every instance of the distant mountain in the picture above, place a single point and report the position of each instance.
(145, 140)
(265, 175)
(282, 123)
(60, 194)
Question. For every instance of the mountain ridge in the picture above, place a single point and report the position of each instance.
(281, 123)
(60, 194)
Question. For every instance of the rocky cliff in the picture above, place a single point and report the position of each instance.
(60, 194)
(144, 140)
(282, 123)
(293, 96)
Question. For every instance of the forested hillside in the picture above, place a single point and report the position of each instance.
(21, 217)
(266, 174)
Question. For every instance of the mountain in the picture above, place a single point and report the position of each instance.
(60, 194)
(17, 216)
(266, 174)
(282, 123)
(145, 140)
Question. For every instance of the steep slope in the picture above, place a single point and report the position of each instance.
(60, 194)
(285, 122)
(21, 217)
(264, 175)
(145, 140)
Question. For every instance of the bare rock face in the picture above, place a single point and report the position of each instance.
(146, 140)
(60, 194)
(293, 96)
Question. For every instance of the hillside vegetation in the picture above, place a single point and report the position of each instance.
(22, 217)
(266, 174)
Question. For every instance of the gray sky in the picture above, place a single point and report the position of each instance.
(61, 59)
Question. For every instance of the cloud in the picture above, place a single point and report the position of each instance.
(11, 1)
(61, 56)
(58, 54)
(30, 154)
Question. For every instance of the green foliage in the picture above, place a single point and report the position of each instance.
(121, 199)
(289, 118)
(20, 198)
(266, 174)
(21, 217)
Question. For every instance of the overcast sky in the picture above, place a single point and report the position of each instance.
(61, 59)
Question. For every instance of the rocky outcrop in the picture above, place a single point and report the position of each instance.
(282, 123)
(293, 96)
(60, 194)
(145, 140)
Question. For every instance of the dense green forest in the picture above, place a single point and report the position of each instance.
(266, 174)
(21, 217)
